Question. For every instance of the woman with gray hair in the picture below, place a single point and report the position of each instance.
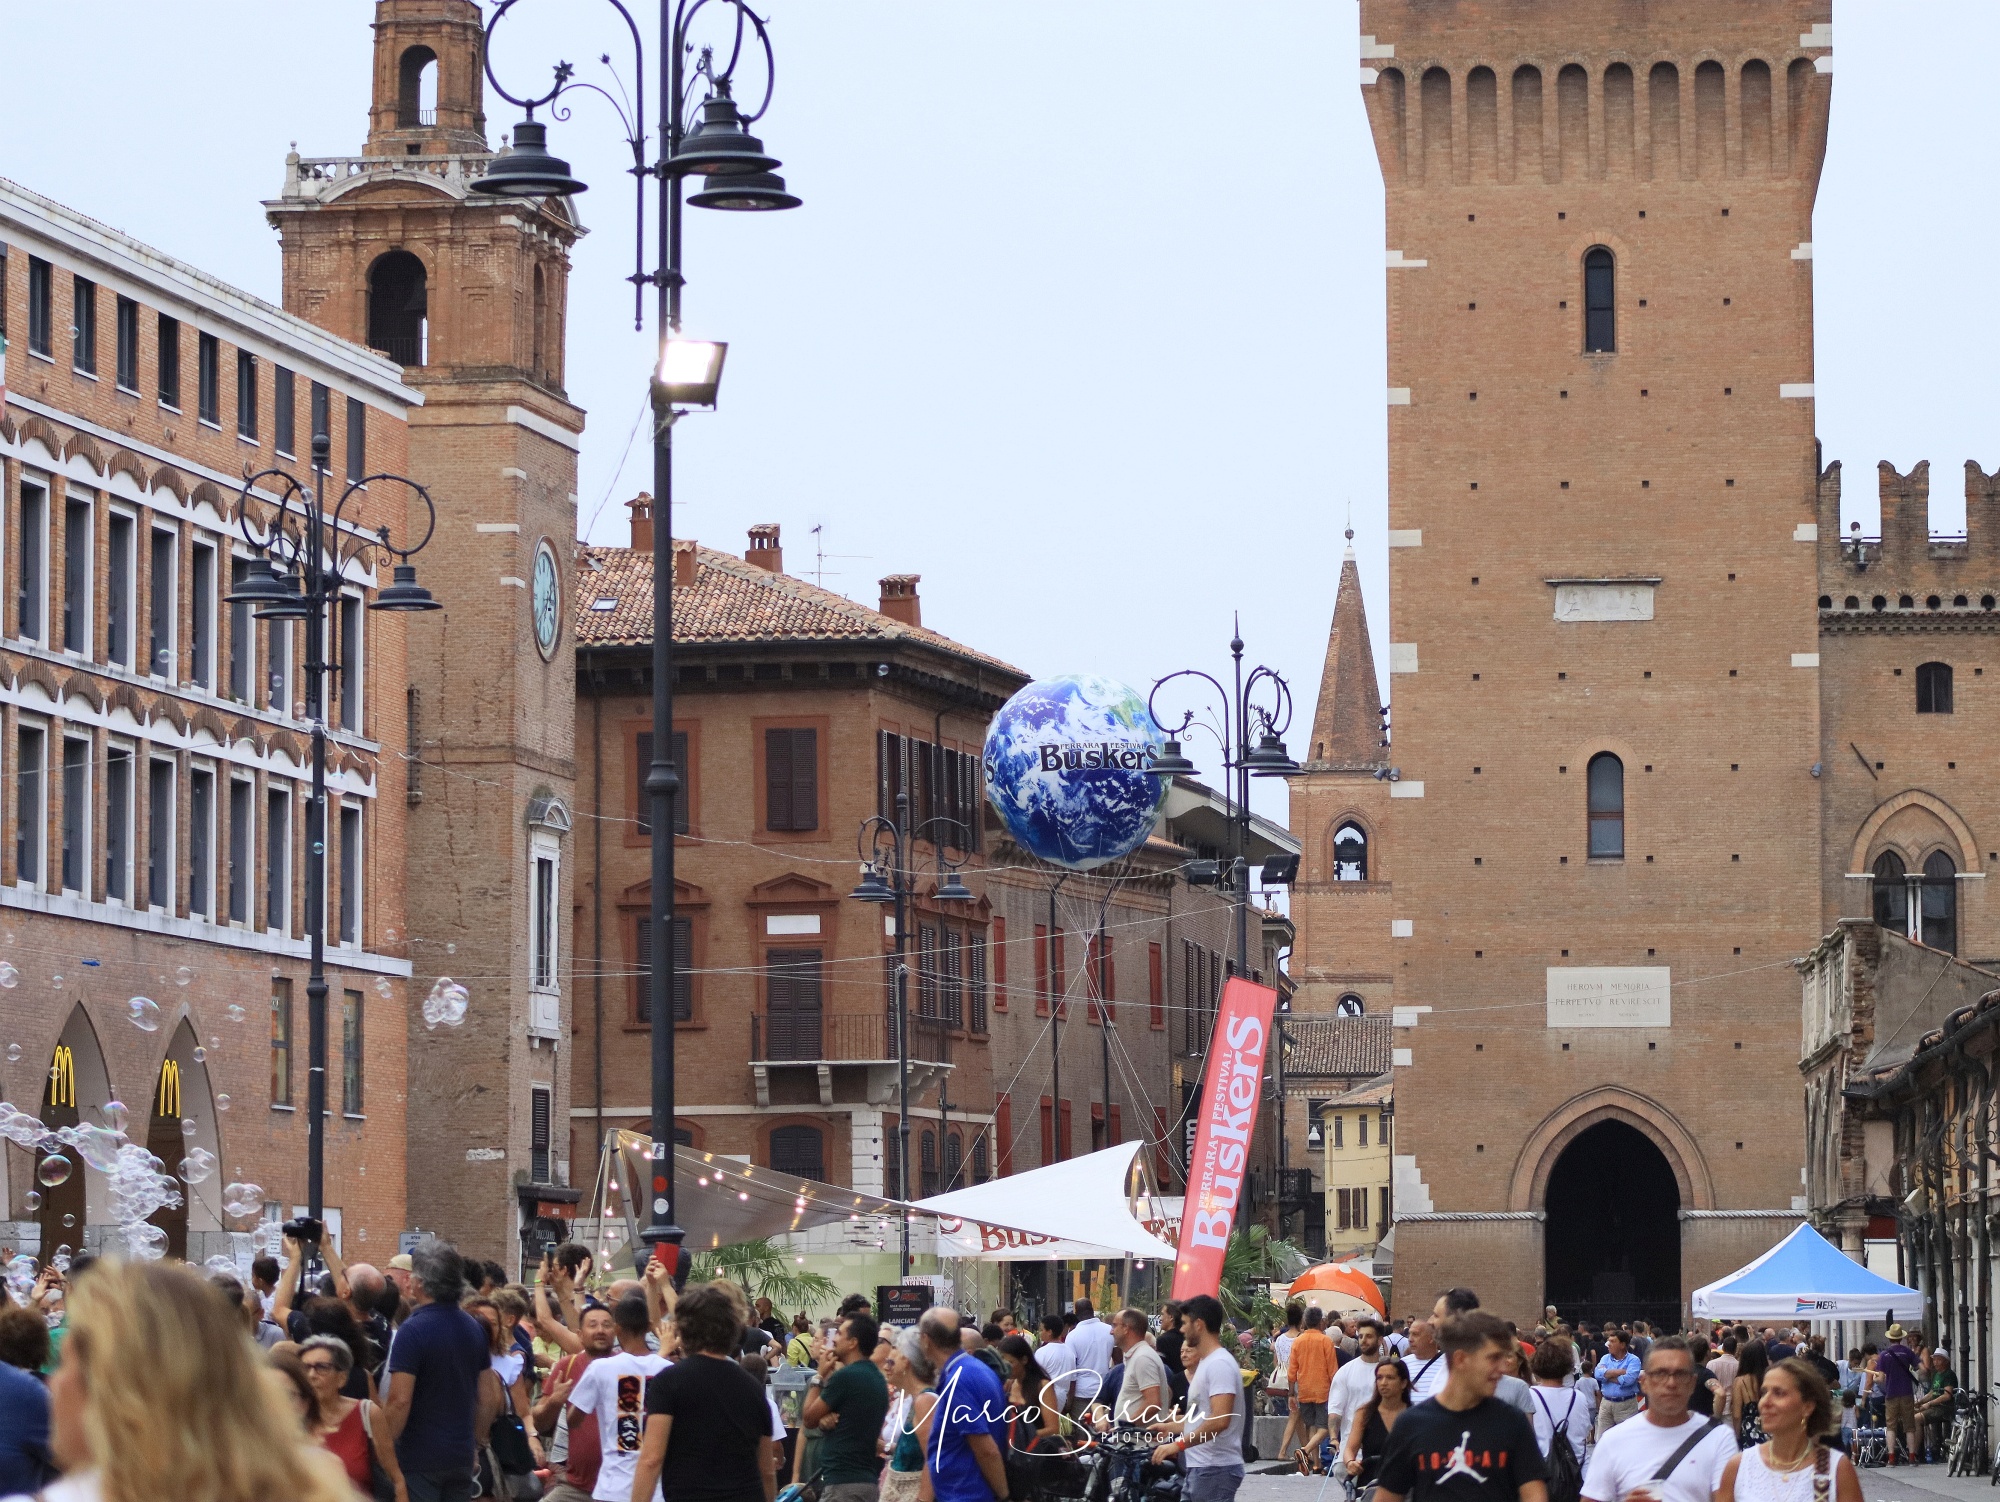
(911, 1375)
(354, 1429)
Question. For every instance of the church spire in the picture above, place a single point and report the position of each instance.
(1347, 726)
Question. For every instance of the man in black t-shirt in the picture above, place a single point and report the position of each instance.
(707, 1418)
(1465, 1445)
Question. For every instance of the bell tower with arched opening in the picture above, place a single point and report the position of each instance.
(1604, 662)
(390, 249)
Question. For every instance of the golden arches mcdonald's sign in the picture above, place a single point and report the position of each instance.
(62, 1077)
(168, 1101)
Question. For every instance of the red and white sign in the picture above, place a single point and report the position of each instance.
(978, 1241)
(1230, 1093)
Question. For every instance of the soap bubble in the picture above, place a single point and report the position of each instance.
(242, 1200)
(13, 1053)
(33, 1200)
(188, 1127)
(361, 1233)
(9, 976)
(54, 1170)
(384, 989)
(55, 982)
(19, 1127)
(388, 936)
(200, 1054)
(445, 1006)
(143, 1013)
(451, 949)
(115, 1115)
(235, 1013)
(98, 1146)
(222, 1103)
(60, 1261)
(184, 976)
(69, 1222)
(197, 1166)
(220, 1266)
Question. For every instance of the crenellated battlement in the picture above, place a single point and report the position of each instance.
(1556, 92)
(1906, 568)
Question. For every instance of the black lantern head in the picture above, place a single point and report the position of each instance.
(404, 593)
(953, 889)
(1170, 762)
(873, 888)
(1270, 759)
(526, 170)
(744, 193)
(721, 144)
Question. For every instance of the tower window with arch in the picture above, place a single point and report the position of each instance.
(1933, 688)
(416, 88)
(1350, 853)
(399, 308)
(1920, 905)
(1600, 304)
(1350, 1005)
(1606, 800)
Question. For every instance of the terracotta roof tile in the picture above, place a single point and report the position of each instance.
(1356, 1048)
(732, 602)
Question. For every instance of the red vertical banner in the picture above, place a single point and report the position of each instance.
(1232, 1088)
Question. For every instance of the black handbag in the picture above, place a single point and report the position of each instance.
(507, 1443)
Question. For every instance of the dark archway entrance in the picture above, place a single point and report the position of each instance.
(399, 308)
(1613, 1237)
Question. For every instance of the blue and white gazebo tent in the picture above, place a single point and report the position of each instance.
(1806, 1277)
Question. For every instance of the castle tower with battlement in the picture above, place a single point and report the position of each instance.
(1605, 819)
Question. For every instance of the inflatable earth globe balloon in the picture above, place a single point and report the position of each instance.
(1066, 763)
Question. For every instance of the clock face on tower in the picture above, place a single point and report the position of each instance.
(547, 599)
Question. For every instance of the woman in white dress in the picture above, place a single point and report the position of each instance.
(1795, 1463)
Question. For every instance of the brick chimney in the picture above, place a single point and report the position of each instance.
(764, 550)
(899, 599)
(683, 562)
(641, 507)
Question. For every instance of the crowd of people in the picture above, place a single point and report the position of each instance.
(435, 1379)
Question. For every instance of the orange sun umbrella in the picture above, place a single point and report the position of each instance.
(1338, 1289)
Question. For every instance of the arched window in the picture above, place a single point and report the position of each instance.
(979, 1160)
(954, 1160)
(1933, 688)
(1600, 308)
(1350, 853)
(1350, 1005)
(799, 1151)
(416, 88)
(538, 356)
(1892, 893)
(928, 1159)
(398, 305)
(1607, 807)
(1938, 903)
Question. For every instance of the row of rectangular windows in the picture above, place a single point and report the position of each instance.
(74, 628)
(42, 284)
(99, 825)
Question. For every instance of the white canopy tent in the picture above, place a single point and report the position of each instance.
(1806, 1277)
(1094, 1206)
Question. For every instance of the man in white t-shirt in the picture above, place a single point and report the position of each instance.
(1354, 1383)
(1056, 1360)
(1211, 1445)
(1425, 1361)
(1629, 1455)
(613, 1390)
(1090, 1346)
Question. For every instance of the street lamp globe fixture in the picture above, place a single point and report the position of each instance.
(1270, 759)
(404, 593)
(954, 890)
(744, 192)
(526, 170)
(873, 888)
(721, 144)
(690, 373)
(1170, 762)
(263, 586)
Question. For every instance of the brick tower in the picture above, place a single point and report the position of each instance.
(1602, 472)
(468, 292)
(1342, 899)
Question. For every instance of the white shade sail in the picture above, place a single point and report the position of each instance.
(1081, 1207)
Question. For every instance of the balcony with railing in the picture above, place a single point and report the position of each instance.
(317, 179)
(848, 1057)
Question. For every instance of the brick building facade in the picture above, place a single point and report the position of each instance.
(154, 741)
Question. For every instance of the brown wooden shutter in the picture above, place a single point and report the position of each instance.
(777, 779)
(805, 779)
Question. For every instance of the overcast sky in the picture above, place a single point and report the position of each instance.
(1083, 317)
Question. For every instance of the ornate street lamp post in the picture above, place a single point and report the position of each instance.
(739, 177)
(297, 576)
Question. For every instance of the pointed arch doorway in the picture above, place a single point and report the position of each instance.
(1612, 1241)
(76, 1089)
(182, 1118)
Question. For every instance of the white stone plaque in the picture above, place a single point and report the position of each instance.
(1618, 601)
(1594, 996)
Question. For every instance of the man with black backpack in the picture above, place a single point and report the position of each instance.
(1666, 1453)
